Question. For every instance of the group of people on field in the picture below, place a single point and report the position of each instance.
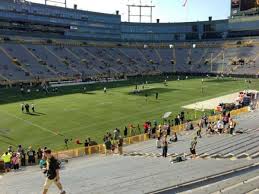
(25, 107)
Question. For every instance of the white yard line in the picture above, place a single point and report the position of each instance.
(30, 123)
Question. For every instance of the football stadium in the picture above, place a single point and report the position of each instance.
(125, 101)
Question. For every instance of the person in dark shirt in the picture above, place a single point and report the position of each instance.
(168, 131)
(86, 143)
(182, 117)
(120, 145)
(108, 146)
(193, 147)
(125, 131)
(52, 173)
(156, 95)
(27, 108)
(176, 121)
(39, 154)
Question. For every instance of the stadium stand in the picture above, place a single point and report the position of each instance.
(53, 43)
(30, 61)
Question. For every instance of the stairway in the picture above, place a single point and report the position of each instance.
(17, 63)
(62, 61)
(45, 65)
(239, 183)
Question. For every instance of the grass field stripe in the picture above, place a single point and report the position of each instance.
(30, 123)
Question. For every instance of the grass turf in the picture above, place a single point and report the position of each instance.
(73, 114)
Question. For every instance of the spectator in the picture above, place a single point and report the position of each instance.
(10, 149)
(31, 156)
(199, 130)
(182, 117)
(146, 127)
(193, 147)
(78, 142)
(158, 143)
(168, 130)
(6, 157)
(220, 126)
(205, 120)
(116, 134)
(86, 143)
(23, 158)
(43, 162)
(125, 131)
(113, 142)
(210, 128)
(108, 146)
(232, 125)
(139, 130)
(20, 149)
(174, 138)
(39, 154)
(120, 145)
(189, 126)
(15, 161)
(165, 146)
(225, 120)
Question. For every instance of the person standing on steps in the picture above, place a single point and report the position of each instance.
(193, 148)
(165, 146)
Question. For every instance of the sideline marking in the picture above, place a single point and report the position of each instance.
(30, 123)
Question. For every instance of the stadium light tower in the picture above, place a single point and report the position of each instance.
(140, 6)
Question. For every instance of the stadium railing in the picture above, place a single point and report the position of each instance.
(100, 149)
(96, 149)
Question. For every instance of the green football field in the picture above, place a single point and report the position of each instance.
(70, 113)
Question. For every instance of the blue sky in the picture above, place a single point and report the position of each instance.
(166, 10)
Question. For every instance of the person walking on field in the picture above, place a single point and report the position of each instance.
(52, 172)
(156, 95)
(32, 107)
(22, 106)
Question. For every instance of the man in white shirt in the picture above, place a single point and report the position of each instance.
(220, 126)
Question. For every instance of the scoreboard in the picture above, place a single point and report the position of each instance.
(239, 6)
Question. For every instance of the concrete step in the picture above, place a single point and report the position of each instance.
(255, 191)
(243, 187)
(226, 184)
